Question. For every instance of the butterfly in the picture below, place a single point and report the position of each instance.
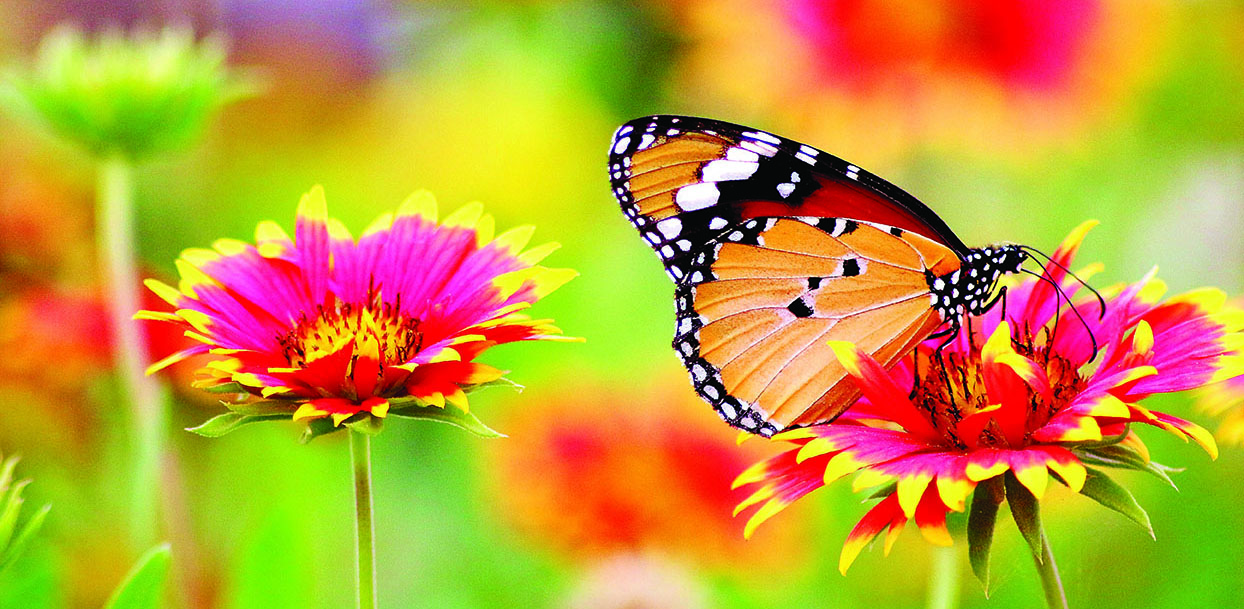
(777, 248)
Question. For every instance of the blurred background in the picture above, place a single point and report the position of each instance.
(1015, 120)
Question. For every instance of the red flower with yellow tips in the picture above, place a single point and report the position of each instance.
(327, 329)
(1038, 392)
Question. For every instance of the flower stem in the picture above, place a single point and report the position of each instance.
(115, 228)
(1051, 582)
(944, 578)
(360, 451)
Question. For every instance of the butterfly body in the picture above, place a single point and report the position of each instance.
(775, 248)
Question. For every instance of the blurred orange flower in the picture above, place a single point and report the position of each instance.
(597, 471)
(875, 75)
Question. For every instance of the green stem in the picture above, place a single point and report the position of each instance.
(1051, 582)
(117, 252)
(360, 451)
(944, 578)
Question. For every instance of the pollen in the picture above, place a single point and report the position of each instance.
(377, 330)
(953, 390)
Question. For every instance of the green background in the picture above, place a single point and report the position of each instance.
(1138, 124)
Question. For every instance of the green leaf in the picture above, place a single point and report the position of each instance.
(28, 531)
(222, 424)
(1025, 511)
(143, 586)
(8, 514)
(1100, 488)
(318, 427)
(6, 472)
(451, 415)
(981, 520)
(1122, 457)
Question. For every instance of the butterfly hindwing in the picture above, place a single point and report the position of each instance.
(766, 295)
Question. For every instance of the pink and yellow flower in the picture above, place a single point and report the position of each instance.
(326, 328)
(999, 412)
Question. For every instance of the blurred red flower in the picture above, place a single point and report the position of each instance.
(595, 471)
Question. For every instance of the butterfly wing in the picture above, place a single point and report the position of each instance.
(682, 179)
(777, 248)
(766, 295)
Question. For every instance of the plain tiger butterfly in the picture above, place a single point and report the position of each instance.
(775, 249)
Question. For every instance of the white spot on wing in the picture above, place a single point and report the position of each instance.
(762, 136)
(759, 147)
(721, 171)
(670, 227)
(717, 223)
(621, 145)
(697, 196)
(740, 154)
(785, 188)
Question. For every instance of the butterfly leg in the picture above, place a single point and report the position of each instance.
(950, 333)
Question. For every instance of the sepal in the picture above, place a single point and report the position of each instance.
(1123, 457)
(220, 425)
(1100, 488)
(981, 520)
(1025, 511)
(411, 408)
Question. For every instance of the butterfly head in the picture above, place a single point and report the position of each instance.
(1007, 258)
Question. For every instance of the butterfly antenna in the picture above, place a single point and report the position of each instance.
(1058, 289)
(1101, 301)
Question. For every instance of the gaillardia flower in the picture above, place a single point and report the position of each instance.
(329, 330)
(1033, 390)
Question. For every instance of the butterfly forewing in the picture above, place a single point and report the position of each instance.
(682, 179)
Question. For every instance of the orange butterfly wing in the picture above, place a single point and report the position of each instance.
(766, 296)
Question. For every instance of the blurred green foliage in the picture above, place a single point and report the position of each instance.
(513, 104)
(134, 95)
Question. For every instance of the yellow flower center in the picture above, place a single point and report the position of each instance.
(951, 388)
(377, 330)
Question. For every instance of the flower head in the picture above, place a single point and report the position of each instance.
(331, 330)
(596, 471)
(133, 95)
(1039, 391)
